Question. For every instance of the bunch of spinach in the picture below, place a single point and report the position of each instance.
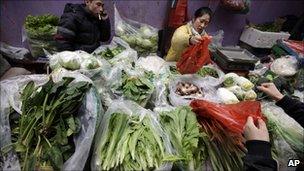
(130, 142)
(137, 88)
(42, 134)
(183, 129)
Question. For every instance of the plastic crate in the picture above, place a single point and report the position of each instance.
(260, 39)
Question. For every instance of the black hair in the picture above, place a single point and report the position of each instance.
(203, 10)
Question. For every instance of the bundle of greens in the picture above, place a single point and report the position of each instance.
(42, 134)
(225, 149)
(40, 31)
(183, 130)
(41, 27)
(137, 88)
(130, 142)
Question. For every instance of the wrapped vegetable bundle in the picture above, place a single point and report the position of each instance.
(129, 138)
(285, 127)
(43, 134)
(141, 37)
(39, 31)
(138, 88)
(183, 130)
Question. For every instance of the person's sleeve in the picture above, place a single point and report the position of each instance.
(105, 29)
(294, 108)
(180, 38)
(258, 157)
(66, 32)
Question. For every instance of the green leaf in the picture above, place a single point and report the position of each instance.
(55, 157)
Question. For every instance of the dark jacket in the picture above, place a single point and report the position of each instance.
(259, 157)
(80, 30)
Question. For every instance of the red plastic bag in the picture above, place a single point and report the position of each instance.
(232, 116)
(178, 15)
(194, 57)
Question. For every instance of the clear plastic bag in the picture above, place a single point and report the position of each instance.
(141, 37)
(15, 53)
(206, 84)
(284, 66)
(37, 45)
(288, 128)
(217, 40)
(82, 61)
(152, 63)
(130, 110)
(88, 114)
(124, 54)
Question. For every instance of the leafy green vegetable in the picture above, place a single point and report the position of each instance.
(183, 130)
(47, 123)
(40, 31)
(137, 88)
(130, 143)
(41, 27)
(110, 53)
(204, 71)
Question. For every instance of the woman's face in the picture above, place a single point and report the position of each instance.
(200, 23)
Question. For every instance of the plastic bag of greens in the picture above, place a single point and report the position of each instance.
(136, 85)
(87, 115)
(117, 52)
(129, 137)
(82, 61)
(185, 88)
(39, 31)
(286, 126)
(141, 37)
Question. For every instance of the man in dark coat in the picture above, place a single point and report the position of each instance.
(83, 26)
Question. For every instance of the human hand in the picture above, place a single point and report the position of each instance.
(271, 90)
(195, 39)
(259, 132)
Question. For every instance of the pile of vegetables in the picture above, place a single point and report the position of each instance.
(40, 31)
(236, 88)
(183, 130)
(188, 89)
(43, 134)
(130, 142)
(110, 53)
(137, 88)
